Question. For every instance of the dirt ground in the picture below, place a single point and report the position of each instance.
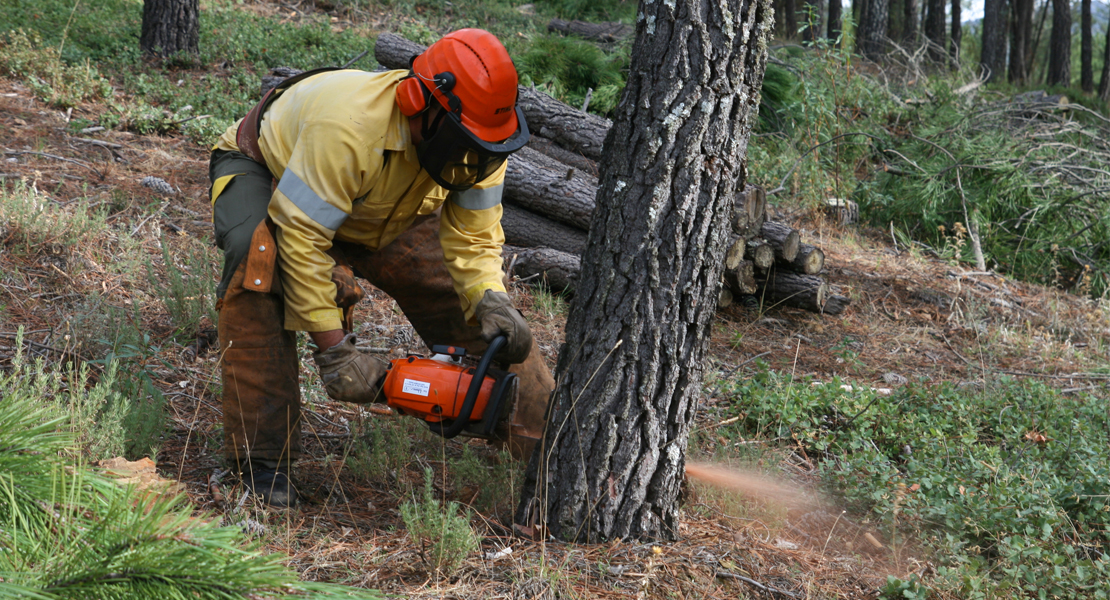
(911, 315)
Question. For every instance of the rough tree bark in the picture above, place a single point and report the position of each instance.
(871, 40)
(1059, 44)
(956, 35)
(910, 27)
(834, 20)
(1021, 36)
(1086, 48)
(170, 27)
(612, 460)
(789, 10)
(934, 29)
(993, 58)
(1104, 81)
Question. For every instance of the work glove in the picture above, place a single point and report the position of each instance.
(497, 316)
(349, 374)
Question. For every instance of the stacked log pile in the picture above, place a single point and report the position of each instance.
(550, 188)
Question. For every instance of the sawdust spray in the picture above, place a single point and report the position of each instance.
(752, 485)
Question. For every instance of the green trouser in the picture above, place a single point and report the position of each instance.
(261, 393)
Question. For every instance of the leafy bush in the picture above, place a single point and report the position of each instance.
(444, 536)
(1007, 484)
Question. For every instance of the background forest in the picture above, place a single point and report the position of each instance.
(953, 419)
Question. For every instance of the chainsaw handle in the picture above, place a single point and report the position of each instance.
(476, 381)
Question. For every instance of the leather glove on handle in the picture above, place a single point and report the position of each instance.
(349, 374)
(496, 314)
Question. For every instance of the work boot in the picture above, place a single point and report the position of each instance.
(270, 485)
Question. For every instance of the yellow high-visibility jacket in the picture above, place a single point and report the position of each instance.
(347, 169)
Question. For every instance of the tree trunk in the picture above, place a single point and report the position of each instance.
(525, 228)
(1086, 49)
(993, 57)
(558, 271)
(567, 126)
(956, 36)
(170, 27)
(790, 19)
(1021, 40)
(934, 29)
(835, 20)
(1104, 81)
(910, 26)
(1059, 45)
(871, 41)
(612, 460)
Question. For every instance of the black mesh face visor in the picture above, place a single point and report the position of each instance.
(456, 158)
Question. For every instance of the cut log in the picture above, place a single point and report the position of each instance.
(556, 270)
(741, 280)
(836, 304)
(551, 149)
(761, 253)
(785, 240)
(541, 184)
(607, 32)
(724, 299)
(750, 211)
(735, 252)
(525, 228)
(810, 260)
(567, 126)
(782, 288)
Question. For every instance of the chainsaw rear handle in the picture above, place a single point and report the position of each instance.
(476, 380)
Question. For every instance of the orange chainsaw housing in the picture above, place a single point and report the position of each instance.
(433, 390)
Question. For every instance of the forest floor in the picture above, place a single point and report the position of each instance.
(912, 315)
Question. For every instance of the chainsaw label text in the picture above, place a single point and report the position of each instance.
(418, 388)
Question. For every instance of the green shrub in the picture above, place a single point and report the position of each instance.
(24, 56)
(1006, 484)
(567, 68)
(187, 284)
(32, 223)
(444, 536)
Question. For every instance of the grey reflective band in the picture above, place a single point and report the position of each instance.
(310, 203)
(475, 199)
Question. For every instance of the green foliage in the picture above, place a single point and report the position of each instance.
(23, 55)
(1010, 479)
(189, 283)
(917, 153)
(444, 536)
(384, 450)
(116, 415)
(32, 223)
(593, 10)
(494, 485)
(567, 68)
(69, 533)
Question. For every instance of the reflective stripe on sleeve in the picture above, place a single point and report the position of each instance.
(310, 203)
(475, 199)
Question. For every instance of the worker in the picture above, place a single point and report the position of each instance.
(395, 177)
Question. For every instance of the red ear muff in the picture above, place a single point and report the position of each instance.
(410, 97)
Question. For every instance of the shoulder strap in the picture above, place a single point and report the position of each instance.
(246, 137)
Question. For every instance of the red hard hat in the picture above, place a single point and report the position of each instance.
(484, 83)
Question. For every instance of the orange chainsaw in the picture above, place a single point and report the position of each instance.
(451, 396)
